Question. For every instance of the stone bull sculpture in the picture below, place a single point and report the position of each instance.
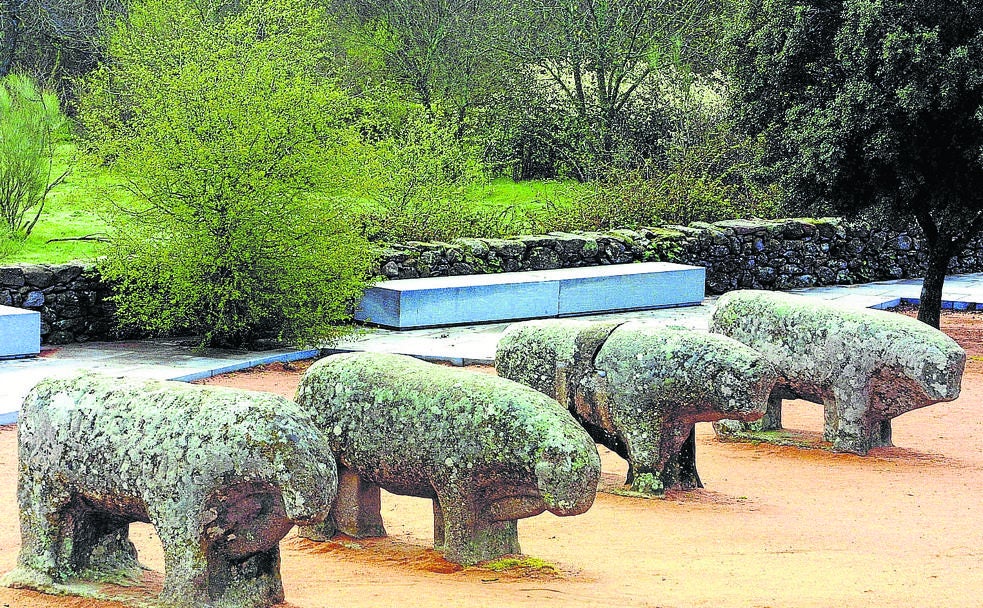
(639, 388)
(222, 475)
(487, 451)
(865, 366)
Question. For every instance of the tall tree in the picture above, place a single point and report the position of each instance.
(53, 40)
(598, 54)
(872, 103)
(439, 49)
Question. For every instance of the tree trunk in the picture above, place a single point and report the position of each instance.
(930, 305)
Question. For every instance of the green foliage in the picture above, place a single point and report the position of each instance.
(233, 146)
(29, 120)
(707, 174)
(871, 103)
(424, 183)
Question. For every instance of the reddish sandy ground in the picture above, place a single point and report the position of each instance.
(775, 526)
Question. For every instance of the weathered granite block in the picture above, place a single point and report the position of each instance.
(487, 451)
(222, 474)
(639, 388)
(865, 366)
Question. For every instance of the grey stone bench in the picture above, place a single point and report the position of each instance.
(508, 296)
(20, 332)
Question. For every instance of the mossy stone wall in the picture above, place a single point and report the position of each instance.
(738, 254)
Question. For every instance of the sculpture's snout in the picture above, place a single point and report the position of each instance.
(309, 485)
(744, 389)
(568, 484)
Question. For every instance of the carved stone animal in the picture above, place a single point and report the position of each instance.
(865, 366)
(222, 475)
(487, 451)
(639, 388)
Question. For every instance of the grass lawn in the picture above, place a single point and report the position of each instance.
(502, 193)
(69, 212)
(72, 209)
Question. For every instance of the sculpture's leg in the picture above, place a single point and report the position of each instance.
(644, 470)
(772, 420)
(882, 434)
(47, 537)
(40, 563)
(470, 537)
(250, 582)
(185, 569)
(438, 526)
(679, 470)
(848, 424)
(357, 510)
(101, 548)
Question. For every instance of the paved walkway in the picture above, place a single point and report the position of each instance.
(170, 360)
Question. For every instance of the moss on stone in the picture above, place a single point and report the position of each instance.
(474, 442)
(97, 452)
(639, 387)
(868, 365)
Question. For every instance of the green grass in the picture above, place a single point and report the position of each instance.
(69, 212)
(532, 196)
(525, 564)
(72, 209)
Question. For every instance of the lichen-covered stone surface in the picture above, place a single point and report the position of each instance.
(222, 474)
(639, 388)
(865, 366)
(486, 450)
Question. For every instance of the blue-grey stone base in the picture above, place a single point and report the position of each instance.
(20, 332)
(509, 296)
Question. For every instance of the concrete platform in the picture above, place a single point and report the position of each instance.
(20, 332)
(511, 296)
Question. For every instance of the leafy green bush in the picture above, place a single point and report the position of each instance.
(425, 178)
(29, 118)
(677, 197)
(217, 121)
(706, 171)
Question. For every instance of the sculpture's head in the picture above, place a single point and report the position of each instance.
(739, 382)
(303, 463)
(929, 358)
(308, 480)
(567, 472)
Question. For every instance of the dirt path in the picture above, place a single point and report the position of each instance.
(776, 526)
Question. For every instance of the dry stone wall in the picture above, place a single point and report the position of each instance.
(738, 254)
(70, 297)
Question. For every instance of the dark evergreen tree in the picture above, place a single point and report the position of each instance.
(872, 104)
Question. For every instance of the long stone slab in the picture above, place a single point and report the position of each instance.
(629, 287)
(20, 332)
(440, 301)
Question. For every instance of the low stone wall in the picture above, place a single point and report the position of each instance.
(70, 297)
(738, 254)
